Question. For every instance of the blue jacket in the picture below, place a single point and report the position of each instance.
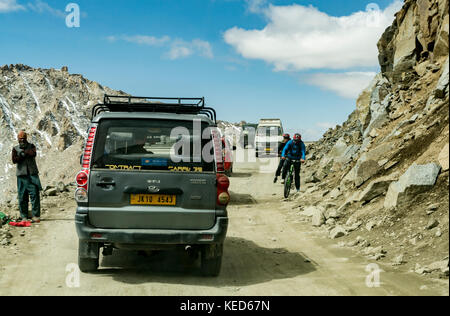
(294, 151)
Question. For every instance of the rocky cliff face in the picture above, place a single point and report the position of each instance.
(53, 106)
(387, 165)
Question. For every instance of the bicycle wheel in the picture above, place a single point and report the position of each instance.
(288, 185)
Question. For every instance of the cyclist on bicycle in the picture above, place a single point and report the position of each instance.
(295, 150)
(286, 139)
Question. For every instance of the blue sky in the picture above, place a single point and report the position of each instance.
(301, 61)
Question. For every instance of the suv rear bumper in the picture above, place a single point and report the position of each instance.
(86, 231)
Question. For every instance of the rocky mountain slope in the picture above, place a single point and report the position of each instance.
(381, 181)
(53, 106)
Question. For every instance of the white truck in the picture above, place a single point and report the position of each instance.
(269, 136)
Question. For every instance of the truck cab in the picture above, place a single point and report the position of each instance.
(269, 136)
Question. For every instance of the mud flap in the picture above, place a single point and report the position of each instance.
(88, 250)
(213, 251)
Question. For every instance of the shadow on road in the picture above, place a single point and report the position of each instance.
(244, 263)
(241, 199)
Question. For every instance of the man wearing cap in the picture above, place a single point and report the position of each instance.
(28, 183)
(294, 153)
(286, 139)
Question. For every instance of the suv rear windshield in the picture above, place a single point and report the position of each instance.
(149, 144)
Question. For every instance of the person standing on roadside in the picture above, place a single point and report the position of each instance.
(28, 182)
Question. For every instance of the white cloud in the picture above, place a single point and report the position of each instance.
(43, 7)
(146, 40)
(10, 6)
(299, 37)
(178, 48)
(256, 6)
(181, 49)
(347, 84)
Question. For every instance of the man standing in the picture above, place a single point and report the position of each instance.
(28, 183)
(294, 153)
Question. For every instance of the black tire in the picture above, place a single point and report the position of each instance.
(88, 265)
(257, 155)
(211, 260)
(88, 256)
(287, 187)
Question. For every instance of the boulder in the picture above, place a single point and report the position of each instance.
(367, 165)
(365, 171)
(363, 105)
(440, 266)
(335, 193)
(417, 179)
(338, 232)
(432, 223)
(51, 192)
(348, 155)
(443, 158)
(331, 222)
(376, 188)
(341, 154)
(399, 260)
(332, 213)
(442, 86)
(405, 39)
(318, 218)
(441, 47)
(371, 225)
(312, 179)
(379, 108)
(61, 187)
(353, 226)
(309, 211)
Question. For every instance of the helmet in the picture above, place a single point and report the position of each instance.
(297, 138)
(286, 136)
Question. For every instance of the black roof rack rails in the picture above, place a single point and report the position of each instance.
(115, 103)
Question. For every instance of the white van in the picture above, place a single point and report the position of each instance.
(269, 135)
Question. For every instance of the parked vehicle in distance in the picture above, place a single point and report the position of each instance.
(248, 135)
(133, 195)
(269, 136)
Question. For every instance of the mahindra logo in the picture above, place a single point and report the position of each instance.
(153, 189)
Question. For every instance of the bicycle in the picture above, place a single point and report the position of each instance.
(289, 179)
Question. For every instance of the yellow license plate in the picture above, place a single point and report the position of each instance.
(268, 149)
(153, 199)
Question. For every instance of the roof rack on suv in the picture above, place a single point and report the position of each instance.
(115, 103)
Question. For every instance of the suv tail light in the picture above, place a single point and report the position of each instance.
(218, 153)
(82, 178)
(87, 155)
(223, 183)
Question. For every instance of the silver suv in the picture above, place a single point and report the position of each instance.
(152, 179)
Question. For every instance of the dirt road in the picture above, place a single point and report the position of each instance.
(269, 251)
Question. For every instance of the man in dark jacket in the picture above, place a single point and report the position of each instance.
(28, 183)
(286, 139)
(294, 153)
